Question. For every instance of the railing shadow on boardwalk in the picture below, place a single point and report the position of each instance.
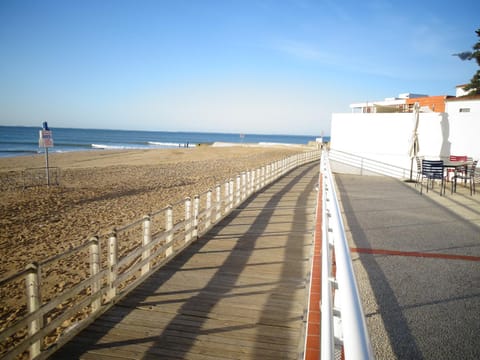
(224, 278)
(404, 343)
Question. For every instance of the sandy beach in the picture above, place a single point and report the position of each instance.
(97, 191)
(102, 189)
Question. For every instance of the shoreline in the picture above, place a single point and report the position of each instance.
(70, 159)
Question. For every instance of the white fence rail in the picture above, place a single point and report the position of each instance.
(366, 166)
(110, 266)
(342, 319)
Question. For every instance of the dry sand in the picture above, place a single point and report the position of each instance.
(102, 189)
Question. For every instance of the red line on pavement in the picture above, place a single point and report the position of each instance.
(415, 254)
(312, 343)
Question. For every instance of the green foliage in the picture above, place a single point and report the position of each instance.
(474, 86)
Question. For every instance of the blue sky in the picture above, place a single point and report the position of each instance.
(279, 67)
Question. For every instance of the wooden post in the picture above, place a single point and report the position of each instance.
(196, 212)
(218, 210)
(230, 201)
(47, 169)
(227, 197)
(251, 182)
(208, 220)
(238, 190)
(32, 282)
(169, 229)
(244, 186)
(112, 262)
(94, 270)
(147, 239)
(188, 219)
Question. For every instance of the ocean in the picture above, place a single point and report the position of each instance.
(22, 140)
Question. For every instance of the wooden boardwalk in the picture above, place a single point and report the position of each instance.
(239, 292)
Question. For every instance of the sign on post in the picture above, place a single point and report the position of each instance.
(46, 141)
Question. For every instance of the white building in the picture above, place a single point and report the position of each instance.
(386, 137)
(392, 104)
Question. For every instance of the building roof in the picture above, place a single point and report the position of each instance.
(464, 98)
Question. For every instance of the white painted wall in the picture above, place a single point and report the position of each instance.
(386, 137)
(465, 127)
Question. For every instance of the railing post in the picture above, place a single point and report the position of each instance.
(244, 186)
(230, 201)
(208, 220)
(258, 179)
(94, 270)
(238, 190)
(250, 182)
(147, 239)
(196, 212)
(218, 208)
(112, 262)
(32, 282)
(188, 219)
(227, 197)
(169, 230)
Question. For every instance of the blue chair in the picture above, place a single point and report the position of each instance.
(432, 170)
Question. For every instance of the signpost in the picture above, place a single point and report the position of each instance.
(46, 141)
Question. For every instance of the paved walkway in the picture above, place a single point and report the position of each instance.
(417, 261)
(240, 292)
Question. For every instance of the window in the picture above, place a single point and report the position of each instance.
(464, 110)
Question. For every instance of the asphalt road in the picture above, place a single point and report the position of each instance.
(417, 262)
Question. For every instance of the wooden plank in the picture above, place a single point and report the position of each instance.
(174, 337)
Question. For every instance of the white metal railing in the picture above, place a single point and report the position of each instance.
(364, 164)
(92, 277)
(342, 320)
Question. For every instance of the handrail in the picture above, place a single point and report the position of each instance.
(346, 312)
(369, 165)
(121, 259)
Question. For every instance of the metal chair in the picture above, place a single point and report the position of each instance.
(455, 158)
(432, 170)
(469, 174)
(418, 159)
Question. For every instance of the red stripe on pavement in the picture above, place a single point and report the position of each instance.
(415, 254)
(312, 344)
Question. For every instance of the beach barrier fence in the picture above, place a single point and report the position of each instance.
(36, 322)
(343, 326)
(38, 176)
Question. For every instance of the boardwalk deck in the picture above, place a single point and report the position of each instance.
(237, 293)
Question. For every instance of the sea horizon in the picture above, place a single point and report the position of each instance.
(168, 131)
(24, 140)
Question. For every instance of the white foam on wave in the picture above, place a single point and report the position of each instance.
(263, 144)
(111, 147)
(170, 144)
